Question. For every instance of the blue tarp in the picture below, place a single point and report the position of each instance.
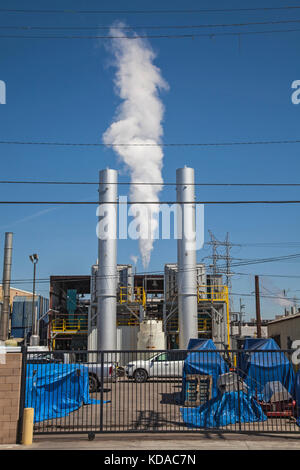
(297, 392)
(229, 408)
(55, 390)
(260, 368)
(202, 361)
(222, 409)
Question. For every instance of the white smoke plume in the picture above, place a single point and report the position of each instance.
(139, 121)
(278, 294)
(134, 259)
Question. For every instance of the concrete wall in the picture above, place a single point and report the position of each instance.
(288, 328)
(10, 385)
(250, 331)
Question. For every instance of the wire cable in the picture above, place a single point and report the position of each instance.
(139, 183)
(155, 36)
(169, 11)
(152, 202)
(100, 144)
(130, 28)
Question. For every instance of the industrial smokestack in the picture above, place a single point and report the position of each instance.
(186, 256)
(4, 323)
(107, 261)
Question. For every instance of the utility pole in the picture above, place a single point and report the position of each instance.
(241, 318)
(258, 318)
(4, 321)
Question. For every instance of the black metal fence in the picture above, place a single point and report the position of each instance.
(161, 391)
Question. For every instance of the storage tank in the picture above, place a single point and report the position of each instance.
(151, 335)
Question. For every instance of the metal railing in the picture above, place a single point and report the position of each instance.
(69, 325)
(132, 294)
(212, 293)
(162, 391)
(204, 325)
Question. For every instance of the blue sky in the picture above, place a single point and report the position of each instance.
(222, 89)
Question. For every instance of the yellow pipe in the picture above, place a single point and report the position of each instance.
(27, 432)
(228, 320)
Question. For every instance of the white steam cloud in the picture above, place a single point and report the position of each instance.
(139, 121)
(277, 293)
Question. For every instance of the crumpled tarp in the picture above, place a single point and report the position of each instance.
(204, 359)
(298, 396)
(229, 408)
(55, 390)
(259, 368)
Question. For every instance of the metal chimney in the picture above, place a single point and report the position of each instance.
(107, 261)
(4, 321)
(186, 257)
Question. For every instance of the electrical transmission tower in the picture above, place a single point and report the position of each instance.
(224, 255)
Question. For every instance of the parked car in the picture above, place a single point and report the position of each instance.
(95, 376)
(94, 369)
(42, 358)
(166, 364)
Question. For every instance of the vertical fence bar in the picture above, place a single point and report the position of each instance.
(22, 394)
(101, 390)
(239, 402)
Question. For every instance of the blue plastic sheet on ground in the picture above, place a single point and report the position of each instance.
(229, 408)
(55, 390)
(204, 359)
(263, 365)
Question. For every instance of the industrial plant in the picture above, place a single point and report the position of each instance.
(115, 308)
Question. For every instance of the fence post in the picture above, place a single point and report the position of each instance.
(101, 390)
(238, 386)
(22, 394)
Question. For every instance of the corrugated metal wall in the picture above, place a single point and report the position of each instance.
(21, 320)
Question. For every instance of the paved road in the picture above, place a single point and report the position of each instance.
(151, 406)
(166, 442)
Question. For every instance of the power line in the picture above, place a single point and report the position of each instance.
(139, 183)
(152, 202)
(100, 144)
(261, 261)
(44, 281)
(155, 36)
(169, 11)
(130, 28)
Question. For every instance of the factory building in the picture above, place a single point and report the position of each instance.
(146, 309)
(69, 303)
(284, 330)
(116, 309)
(20, 321)
(14, 291)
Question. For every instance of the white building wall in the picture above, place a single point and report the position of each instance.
(287, 329)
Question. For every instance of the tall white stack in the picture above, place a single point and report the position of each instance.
(107, 259)
(186, 257)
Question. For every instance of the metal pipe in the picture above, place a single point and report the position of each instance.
(186, 257)
(4, 323)
(257, 299)
(34, 338)
(107, 264)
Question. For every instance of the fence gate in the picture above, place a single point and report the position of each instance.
(160, 391)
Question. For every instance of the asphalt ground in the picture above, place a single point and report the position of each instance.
(157, 443)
